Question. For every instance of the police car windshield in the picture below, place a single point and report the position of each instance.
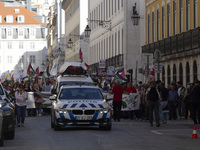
(80, 93)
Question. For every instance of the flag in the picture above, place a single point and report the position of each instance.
(46, 72)
(121, 75)
(30, 70)
(37, 71)
(153, 71)
(81, 55)
(12, 78)
(87, 66)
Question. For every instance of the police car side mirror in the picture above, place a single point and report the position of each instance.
(53, 91)
(52, 98)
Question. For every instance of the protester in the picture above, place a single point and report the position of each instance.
(187, 101)
(146, 102)
(117, 100)
(141, 110)
(47, 85)
(37, 103)
(21, 97)
(153, 97)
(195, 101)
(172, 103)
(181, 104)
(106, 88)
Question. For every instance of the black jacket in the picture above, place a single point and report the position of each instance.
(195, 95)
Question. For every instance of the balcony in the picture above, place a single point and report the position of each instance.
(183, 43)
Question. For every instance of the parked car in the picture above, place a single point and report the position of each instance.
(2, 104)
(8, 111)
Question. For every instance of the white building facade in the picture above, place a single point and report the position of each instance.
(119, 42)
(76, 14)
(22, 39)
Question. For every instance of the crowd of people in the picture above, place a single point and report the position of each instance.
(18, 92)
(157, 102)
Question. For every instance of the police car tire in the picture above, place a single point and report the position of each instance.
(56, 127)
(2, 139)
(9, 135)
(108, 127)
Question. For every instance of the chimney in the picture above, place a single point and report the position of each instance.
(29, 5)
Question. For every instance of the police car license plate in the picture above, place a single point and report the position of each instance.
(83, 117)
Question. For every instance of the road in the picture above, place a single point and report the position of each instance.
(125, 135)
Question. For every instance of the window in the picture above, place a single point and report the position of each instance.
(21, 46)
(148, 28)
(115, 43)
(174, 18)
(21, 32)
(9, 45)
(158, 24)
(119, 42)
(0, 19)
(168, 20)
(174, 73)
(118, 4)
(20, 19)
(122, 41)
(181, 72)
(187, 73)
(9, 19)
(32, 32)
(112, 6)
(32, 59)
(32, 45)
(163, 22)
(115, 6)
(195, 12)
(122, 3)
(9, 32)
(153, 26)
(163, 74)
(180, 16)
(187, 14)
(9, 59)
(168, 75)
(194, 71)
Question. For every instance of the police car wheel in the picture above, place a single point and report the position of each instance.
(56, 127)
(107, 127)
(2, 139)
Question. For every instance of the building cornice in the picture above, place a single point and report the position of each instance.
(150, 2)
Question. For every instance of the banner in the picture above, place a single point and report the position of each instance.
(129, 101)
(38, 100)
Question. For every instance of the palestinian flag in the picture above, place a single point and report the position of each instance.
(87, 66)
(46, 72)
(30, 70)
(121, 75)
(37, 75)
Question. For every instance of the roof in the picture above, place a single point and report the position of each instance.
(75, 78)
(78, 86)
(29, 16)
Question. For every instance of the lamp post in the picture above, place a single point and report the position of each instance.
(135, 17)
(87, 31)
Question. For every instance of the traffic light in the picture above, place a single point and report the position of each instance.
(130, 71)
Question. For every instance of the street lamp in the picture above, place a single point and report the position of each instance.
(87, 31)
(135, 17)
(59, 51)
(70, 43)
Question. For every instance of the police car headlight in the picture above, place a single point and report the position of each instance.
(64, 111)
(7, 112)
(104, 111)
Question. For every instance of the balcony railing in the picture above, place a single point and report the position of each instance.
(116, 61)
(185, 41)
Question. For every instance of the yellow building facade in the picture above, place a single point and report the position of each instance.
(173, 27)
(181, 10)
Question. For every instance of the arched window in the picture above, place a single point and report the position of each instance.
(174, 74)
(187, 72)
(181, 72)
(194, 71)
(168, 75)
(163, 74)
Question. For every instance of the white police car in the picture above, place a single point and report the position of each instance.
(80, 105)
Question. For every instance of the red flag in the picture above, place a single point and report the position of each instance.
(153, 71)
(81, 55)
(88, 67)
(12, 78)
(37, 71)
(123, 73)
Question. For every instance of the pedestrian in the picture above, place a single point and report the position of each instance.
(117, 100)
(187, 101)
(195, 101)
(153, 97)
(47, 85)
(146, 102)
(38, 110)
(27, 89)
(172, 102)
(21, 97)
(106, 88)
(164, 102)
(181, 104)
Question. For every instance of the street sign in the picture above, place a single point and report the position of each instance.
(102, 63)
(111, 70)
